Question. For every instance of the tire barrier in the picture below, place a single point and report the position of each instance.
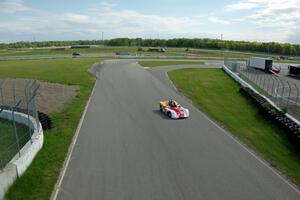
(44, 119)
(275, 115)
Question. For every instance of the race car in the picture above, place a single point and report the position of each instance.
(173, 109)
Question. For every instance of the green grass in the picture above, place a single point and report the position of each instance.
(93, 50)
(167, 63)
(200, 53)
(8, 144)
(218, 95)
(39, 180)
(96, 50)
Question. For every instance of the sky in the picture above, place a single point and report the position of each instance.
(250, 20)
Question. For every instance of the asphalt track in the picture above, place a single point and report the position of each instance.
(127, 150)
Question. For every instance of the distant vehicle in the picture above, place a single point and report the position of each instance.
(158, 49)
(140, 49)
(173, 109)
(75, 54)
(265, 64)
(294, 70)
(122, 53)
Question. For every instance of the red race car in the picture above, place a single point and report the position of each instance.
(173, 109)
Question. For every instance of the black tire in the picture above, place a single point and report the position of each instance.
(169, 114)
(45, 120)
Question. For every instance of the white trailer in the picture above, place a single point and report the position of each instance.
(265, 64)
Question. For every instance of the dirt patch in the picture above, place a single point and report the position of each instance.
(54, 97)
(51, 97)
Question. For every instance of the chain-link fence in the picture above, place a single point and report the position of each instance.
(16, 98)
(281, 89)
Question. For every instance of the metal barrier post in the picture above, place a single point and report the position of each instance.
(263, 85)
(273, 84)
(1, 162)
(28, 113)
(296, 102)
(281, 97)
(268, 85)
(16, 132)
(288, 100)
(256, 75)
(1, 90)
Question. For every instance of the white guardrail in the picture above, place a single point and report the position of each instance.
(18, 165)
(245, 84)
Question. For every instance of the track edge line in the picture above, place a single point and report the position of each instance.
(71, 148)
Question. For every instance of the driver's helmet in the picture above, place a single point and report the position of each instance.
(172, 103)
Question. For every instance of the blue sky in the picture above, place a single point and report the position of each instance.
(253, 20)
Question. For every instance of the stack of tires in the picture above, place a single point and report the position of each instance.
(44, 119)
(279, 117)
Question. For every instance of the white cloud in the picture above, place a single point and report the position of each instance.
(218, 21)
(240, 6)
(76, 18)
(267, 20)
(276, 17)
(13, 6)
(109, 18)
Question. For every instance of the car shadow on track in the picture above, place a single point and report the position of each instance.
(162, 115)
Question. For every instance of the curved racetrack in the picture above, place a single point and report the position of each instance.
(127, 150)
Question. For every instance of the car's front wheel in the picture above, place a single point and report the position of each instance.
(169, 114)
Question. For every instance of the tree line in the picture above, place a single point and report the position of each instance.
(266, 47)
(23, 44)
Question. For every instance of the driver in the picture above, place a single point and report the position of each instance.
(172, 103)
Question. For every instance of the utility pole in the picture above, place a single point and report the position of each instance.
(222, 48)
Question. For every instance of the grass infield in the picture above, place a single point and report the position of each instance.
(8, 140)
(218, 95)
(39, 180)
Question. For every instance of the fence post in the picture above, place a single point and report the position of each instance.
(263, 85)
(33, 100)
(16, 132)
(2, 98)
(296, 101)
(261, 80)
(272, 89)
(276, 91)
(282, 91)
(1, 162)
(255, 76)
(288, 100)
(269, 85)
(14, 92)
(27, 97)
(252, 75)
